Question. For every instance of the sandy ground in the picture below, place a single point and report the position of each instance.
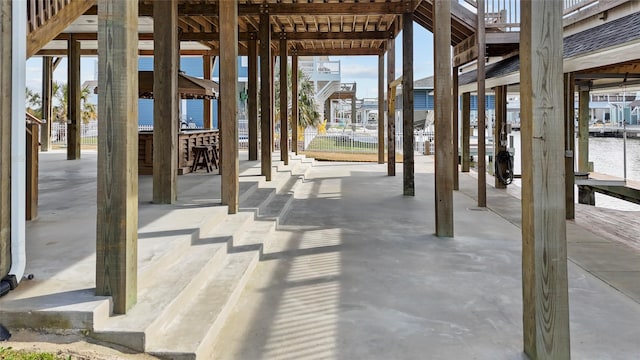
(65, 345)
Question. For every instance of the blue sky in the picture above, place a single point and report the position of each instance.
(360, 69)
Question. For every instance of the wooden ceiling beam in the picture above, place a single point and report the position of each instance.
(338, 52)
(244, 36)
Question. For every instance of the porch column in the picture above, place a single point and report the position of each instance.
(252, 101)
(47, 95)
(228, 104)
(391, 108)
(569, 145)
(583, 129)
(456, 131)
(166, 61)
(501, 114)
(544, 246)
(354, 120)
(444, 145)
(265, 95)
(466, 132)
(207, 62)
(381, 109)
(284, 109)
(74, 112)
(407, 105)
(117, 200)
(482, 156)
(294, 102)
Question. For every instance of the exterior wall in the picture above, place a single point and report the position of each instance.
(191, 110)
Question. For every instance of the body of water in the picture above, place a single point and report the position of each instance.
(607, 157)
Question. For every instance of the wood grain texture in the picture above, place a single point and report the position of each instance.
(166, 63)
(33, 138)
(74, 113)
(252, 101)
(207, 62)
(265, 96)
(381, 109)
(391, 108)
(544, 248)
(481, 161)
(55, 24)
(294, 103)
(444, 144)
(455, 119)
(47, 95)
(6, 85)
(228, 104)
(466, 132)
(500, 119)
(284, 124)
(408, 179)
(583, 131)
(569, 145)
(117, 196)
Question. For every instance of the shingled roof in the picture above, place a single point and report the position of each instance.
(603, 36)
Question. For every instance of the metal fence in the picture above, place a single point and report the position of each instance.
(361, 141)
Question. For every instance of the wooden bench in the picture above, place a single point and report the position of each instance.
(205, 156)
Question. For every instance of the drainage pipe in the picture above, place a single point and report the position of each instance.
(18, 140)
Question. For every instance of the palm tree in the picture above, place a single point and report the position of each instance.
(88, 111)
(308, 114)
(34, 103)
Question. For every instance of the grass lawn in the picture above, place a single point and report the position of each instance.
(10, 354)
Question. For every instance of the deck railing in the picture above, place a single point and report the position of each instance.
(40, 11)
(504, 15)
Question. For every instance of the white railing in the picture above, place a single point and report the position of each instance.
(88, 133)
(361, 141)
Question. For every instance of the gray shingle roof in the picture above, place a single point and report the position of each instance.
(613, 33)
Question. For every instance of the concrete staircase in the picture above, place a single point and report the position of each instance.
(187, 290)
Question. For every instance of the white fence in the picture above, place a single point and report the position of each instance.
(361, 141)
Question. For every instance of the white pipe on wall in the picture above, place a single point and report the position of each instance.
(18, 139)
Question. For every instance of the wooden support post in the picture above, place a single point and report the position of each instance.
(407, 105)
(74, 112)
(284, 109)
(583, 130)
(47, 95)
(229, 109)
(33, 138)
(381, 109)
(117, 199)
(544, 246)
(482, 147)
(265, 95)
(166, 62)
(456, 131)
(444, 145)
(252, 101)
(6, 84)
(272, 85)
(294, 102)
(569, 145)
(466, 132)
(501, 119)
(354, 119)
(207, 62)
(391, 108)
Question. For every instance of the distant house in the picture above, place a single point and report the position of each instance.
(193, 110)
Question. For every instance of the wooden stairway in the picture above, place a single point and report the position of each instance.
(48, 18)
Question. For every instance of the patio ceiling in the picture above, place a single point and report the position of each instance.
(311, 27)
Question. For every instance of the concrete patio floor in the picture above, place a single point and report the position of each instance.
(353, 270)
(357, 273)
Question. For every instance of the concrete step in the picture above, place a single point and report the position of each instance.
(160, 243)
(160, 300)
(194, 330)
